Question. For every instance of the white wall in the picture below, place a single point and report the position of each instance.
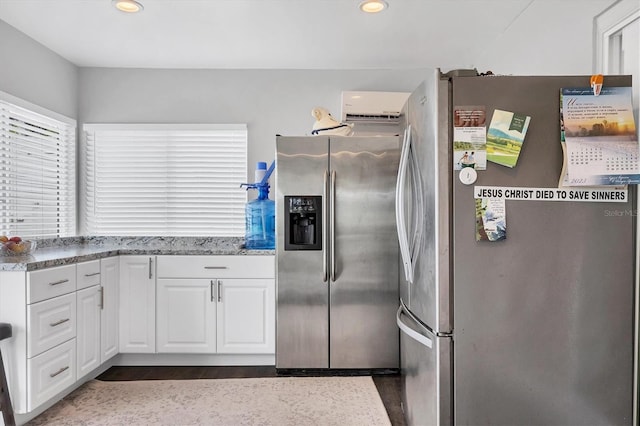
(548, 38)
(35, 74)
(270, 101)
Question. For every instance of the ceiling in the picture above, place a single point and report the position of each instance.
(295, 34)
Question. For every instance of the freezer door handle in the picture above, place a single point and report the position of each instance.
(332, 225)
(401, 225)
(423, 340)
(325, 259)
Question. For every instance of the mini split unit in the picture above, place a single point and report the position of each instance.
(372, 107)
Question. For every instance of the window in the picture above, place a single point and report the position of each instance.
(37, 170)
(165, 180)
(616, 45)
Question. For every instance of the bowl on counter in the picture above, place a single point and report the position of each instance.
(17, 248)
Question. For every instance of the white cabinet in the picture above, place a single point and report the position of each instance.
(246, 316)
(88, 335)
(50, 323)
(137, 331)
(41, 355)
(50, 373)
(109, 319)
(88, 299)
(216, 304)
(51, 282)
(186, 316)
(87, 274)
(97, 313)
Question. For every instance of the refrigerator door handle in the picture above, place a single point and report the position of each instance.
(423, 340)
(418, 206)
(332, 226)
(400, 212)
(324, 227)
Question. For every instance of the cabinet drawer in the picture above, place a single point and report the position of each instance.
(87, 274)
(50, 372)
(50, 323)
(51, 282)
(216, 267)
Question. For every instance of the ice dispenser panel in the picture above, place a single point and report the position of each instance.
(302, 222)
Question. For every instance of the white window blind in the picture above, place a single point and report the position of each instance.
(165, 180)
(37, 169)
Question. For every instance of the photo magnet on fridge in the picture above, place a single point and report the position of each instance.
(506, 136)
(469, 137)
(491, 219)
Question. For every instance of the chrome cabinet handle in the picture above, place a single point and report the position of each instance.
(212, 290)
(101, 290)
(332, 225)
(59, 282)
(92, 275)
(219, 290)
(324, 227)
(62, 321)
(63, 369)
(216, 267)
(150, 268)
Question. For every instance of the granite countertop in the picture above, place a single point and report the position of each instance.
(64, 251)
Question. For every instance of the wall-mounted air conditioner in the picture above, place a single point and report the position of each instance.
(372, 107)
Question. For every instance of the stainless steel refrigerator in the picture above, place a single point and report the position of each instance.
(537, 329)
(337, 253)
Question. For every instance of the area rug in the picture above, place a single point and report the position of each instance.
(344, 401)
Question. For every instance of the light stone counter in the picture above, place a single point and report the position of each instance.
(63, 251)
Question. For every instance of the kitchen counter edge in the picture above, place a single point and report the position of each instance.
(50, 257)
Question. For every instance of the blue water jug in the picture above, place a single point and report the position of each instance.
(260, 213)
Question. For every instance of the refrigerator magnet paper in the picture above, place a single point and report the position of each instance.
(491, 219)
(601, 142)
(469, 138)
(506, 136)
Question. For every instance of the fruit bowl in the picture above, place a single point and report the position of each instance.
(16, 248)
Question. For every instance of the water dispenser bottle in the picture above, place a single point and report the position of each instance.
(261, 213)
(261, 171)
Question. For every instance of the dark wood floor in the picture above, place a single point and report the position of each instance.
(388, 385)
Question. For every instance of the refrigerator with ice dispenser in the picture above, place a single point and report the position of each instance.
(337, 253)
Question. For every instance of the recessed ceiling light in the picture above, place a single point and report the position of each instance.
(373, 6)
(129, 6)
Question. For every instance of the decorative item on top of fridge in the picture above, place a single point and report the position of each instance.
(325, 124)
(260, 214)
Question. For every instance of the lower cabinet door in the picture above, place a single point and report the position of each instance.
(109, 322)
(137, 304)
(50, 373)
(88, 329)
(246, 316)
(186, 316)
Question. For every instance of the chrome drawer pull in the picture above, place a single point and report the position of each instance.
(215, 267)
(62, 321)
(62, 370)
(92, 275)
(59, 282)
